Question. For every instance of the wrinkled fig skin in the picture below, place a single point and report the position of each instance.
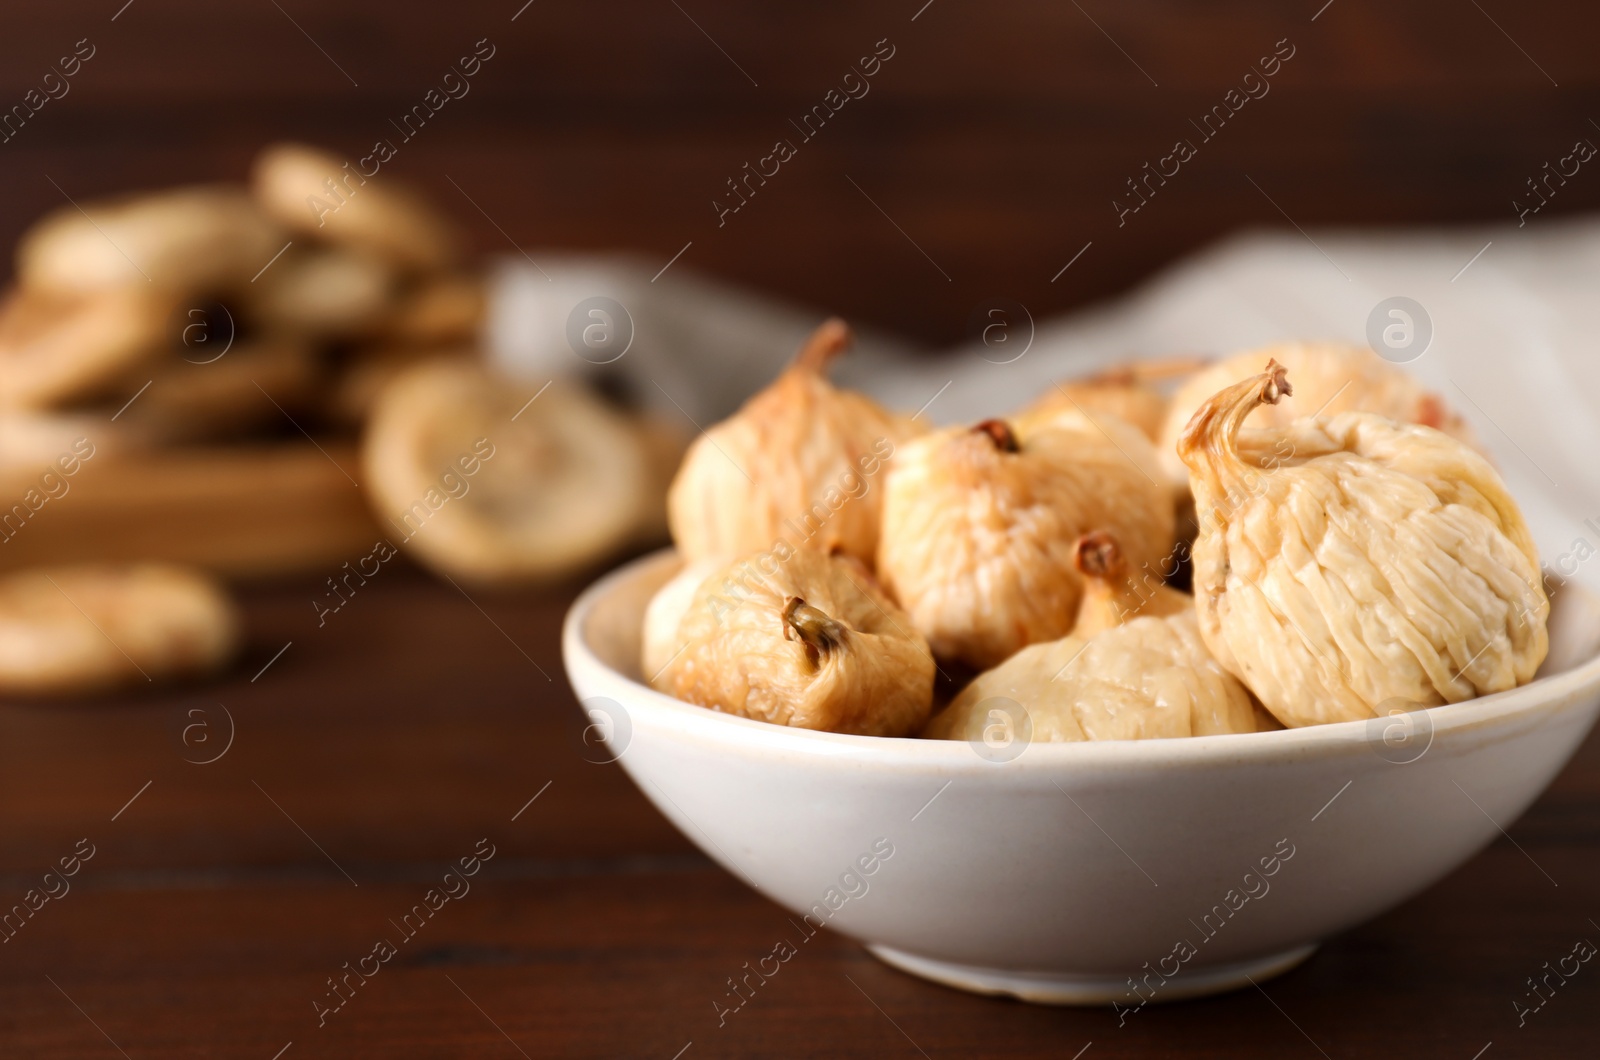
(1330, 378)
(978, 541)
(1349, 566)
(806, 640)
(1148, 679)
(801, 462)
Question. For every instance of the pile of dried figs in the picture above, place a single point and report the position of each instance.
(216, 350)
(849, 569)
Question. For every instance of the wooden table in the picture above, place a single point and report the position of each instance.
(370, 754)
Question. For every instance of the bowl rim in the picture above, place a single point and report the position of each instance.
(1543, 695)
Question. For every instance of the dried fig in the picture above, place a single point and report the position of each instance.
(660, 642)
(493, 481)
(1134, 668)
(56, 349)
(1124, 392)
(1150, 678)
(324, 197)
(207, 238)
(33, 441)
(1349, 563)
(799, 638)
(322, 293)
(91, 628)
(980, 524)
(1329, 378)
(795, 464)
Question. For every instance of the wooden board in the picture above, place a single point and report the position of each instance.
(243, 512)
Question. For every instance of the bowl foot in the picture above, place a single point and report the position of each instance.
(1067, 988)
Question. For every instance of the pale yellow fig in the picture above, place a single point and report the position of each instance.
(1329, 378)
(1114, 594)
(1150, 678)
(1134, 668)
(800, 638)
(322, 293)
(659, 642)
(32, 440)
(331, 199)
(980, 526)
(58, 349)
(1126, 392)
(202, 239)
(492, 480)
(91, 628)
(1131, 402)
(1348, 567)
(799, 463)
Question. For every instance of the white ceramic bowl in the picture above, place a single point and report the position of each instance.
(1119, 872)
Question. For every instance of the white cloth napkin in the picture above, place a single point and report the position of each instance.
(699, 346)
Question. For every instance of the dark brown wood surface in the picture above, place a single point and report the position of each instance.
(381, 747)
(995, 139)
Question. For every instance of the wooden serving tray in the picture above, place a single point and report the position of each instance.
(241, 512)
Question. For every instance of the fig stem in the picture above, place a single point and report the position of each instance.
(1277, 383)
(818, 631)
(830, 339)
(1000, 433)
(1097, 555)
(1209, 442)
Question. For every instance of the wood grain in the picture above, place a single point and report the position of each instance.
(996, 138)
(245, 512)
(412, 724)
